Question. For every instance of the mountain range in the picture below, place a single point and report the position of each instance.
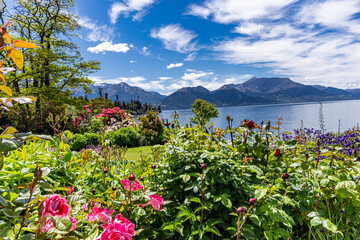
(251, 92)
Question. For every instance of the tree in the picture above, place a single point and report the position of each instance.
(56, 69)
(203, 111)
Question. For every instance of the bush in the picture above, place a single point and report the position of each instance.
(151, 128)
(80, 141)
(127, 136)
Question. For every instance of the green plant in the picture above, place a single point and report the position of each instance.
(126, 136)
(81, 141)
(203, 112)
(152, 128)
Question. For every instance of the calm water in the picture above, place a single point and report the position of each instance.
(347, 111)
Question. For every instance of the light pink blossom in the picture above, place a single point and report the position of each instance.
(135, 185)
(156, 201)
(118, 229)
(97, 213)
(70, 191)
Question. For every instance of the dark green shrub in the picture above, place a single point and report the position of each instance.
(127, 136)
(80, 141)
(151, 128)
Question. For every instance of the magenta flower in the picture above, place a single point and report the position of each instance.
(55, 205)
(156, 201)
(49, 224)
(135, 185)
(97, 213)
(118, 229)
(70, 191)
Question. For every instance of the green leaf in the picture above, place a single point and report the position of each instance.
(9, 144)
(185, 177)
(93, 234)
(260, 193)
(62, 224)
(255, 219)
(329, 225)
(226, 201)
(346, 184)
(257, 170)
(268, 235)
(316, 221)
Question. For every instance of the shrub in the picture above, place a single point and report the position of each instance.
(80, 141)
(151, 128)
(127, 136)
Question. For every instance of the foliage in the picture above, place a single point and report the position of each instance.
(126, 136)
(81, 141)
(152, 128)
(56, 69)
(203, 112)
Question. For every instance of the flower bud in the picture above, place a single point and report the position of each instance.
(285, 176)
(153, 166)
(141, 178)
(106, 170)
(253, 201)
(132, 177)
(240, 210)
(277, 153)
(114, 188)
(93, 191)
(203, 166)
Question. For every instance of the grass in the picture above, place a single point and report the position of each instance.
(133, 154)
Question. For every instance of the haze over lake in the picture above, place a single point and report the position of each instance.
(347, 111)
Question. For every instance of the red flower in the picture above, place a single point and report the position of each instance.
(250, 124)
(134, 186)
(55, 205)
(119, 229)
(97, 213)
(277, 153)
(70, 191)
(156, 201)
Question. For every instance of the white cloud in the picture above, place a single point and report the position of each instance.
(133, 61)
(249, 28)
(109, 47)
(96, 32)
(232, 11)
(333, 14)
(174, 65)
(175, 38)
(191, 57)
(164, 78)
(145, 51)
(129, 6)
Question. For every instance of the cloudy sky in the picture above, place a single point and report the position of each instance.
(164, 45)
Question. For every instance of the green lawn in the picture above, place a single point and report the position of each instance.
(134, 153)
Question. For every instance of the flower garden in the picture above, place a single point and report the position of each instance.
(247, 181)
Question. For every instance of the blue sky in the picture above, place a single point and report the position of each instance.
(164, 45)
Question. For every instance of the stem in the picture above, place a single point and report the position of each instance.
(130, 192)
(243, 223)
(238, 228)
(202, 197)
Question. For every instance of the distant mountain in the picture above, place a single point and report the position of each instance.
(257, 91)
(253, 91)
(125, 92)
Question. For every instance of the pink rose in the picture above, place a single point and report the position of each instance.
(49, 224)
(118, 229)
(156, 201)
(97, 213)
(70, 191)
(55, 205)
(135, 185)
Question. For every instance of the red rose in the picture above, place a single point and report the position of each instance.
(250, 124)
(277, 153)
(55, 205)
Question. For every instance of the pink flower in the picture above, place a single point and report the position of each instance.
(55, 205)
(49, 224)
(156, 201)
(97, 213)
(70, 191)
(118, 229)
(86, 205)
(135, 185)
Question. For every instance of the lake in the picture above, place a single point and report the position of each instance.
(348, 112)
